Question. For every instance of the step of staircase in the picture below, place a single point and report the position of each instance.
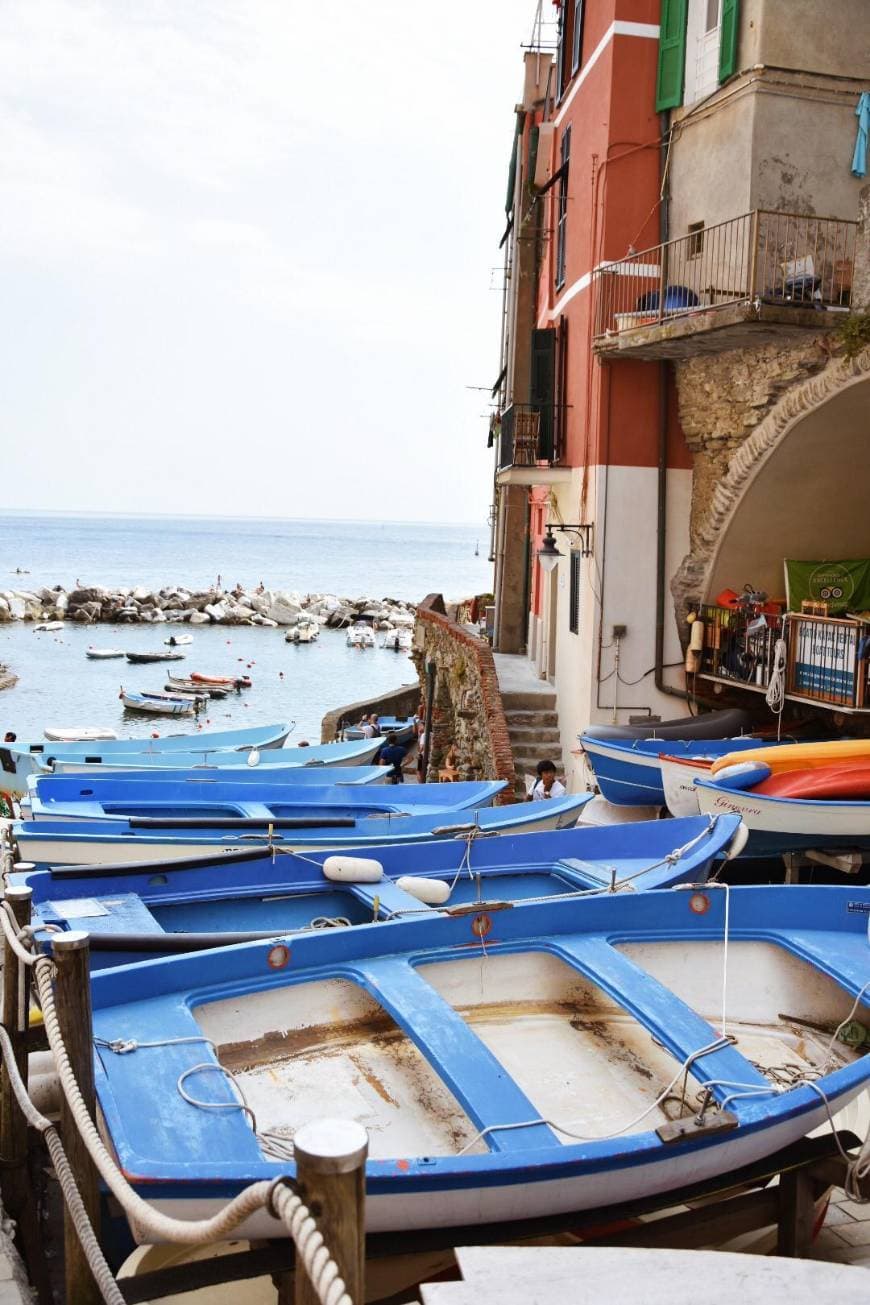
(516, 700)
(533, 734)
(523, 718)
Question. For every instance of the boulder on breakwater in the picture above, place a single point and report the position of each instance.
(89, 605)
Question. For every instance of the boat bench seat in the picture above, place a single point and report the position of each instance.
(123, 913)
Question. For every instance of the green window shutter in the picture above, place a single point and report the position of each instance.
(728, 38)
(672, 54)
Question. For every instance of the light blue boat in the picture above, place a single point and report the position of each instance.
(239, 774)
(77, 759)
(134, 913)
(506, 1063)
(241, 740)
(71, 797)
(164, 838)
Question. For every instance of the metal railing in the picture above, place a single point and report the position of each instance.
(528, 435)
(739, 644)
(774, 258)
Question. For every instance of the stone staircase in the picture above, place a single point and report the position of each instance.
(533, 728)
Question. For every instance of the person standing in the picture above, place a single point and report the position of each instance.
(392, 754)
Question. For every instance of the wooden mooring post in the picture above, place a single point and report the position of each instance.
(19, 1201)
(330, 1175)
(71, 952)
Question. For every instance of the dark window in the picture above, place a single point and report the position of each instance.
(569, 53)
(695, 243)
(577, 36)
(562, 207)
(574, 595)
(543, 387)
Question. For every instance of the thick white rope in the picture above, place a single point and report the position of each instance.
(775, 696)
(103, 1276)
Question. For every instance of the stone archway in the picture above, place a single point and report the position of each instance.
(799, 485)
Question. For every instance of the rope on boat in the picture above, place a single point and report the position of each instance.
(277, 1197)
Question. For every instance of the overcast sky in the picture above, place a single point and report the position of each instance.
(250, 253)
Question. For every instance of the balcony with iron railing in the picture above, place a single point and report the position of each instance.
(762, 275)
(529, 443)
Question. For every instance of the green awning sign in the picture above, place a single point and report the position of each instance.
(844, 586)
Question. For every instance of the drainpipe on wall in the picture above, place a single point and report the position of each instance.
(662, 487)
(430, 708)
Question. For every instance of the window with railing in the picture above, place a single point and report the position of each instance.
(562, 208)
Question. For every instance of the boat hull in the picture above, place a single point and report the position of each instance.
(778, 825)
(628, 772)
(117, 841)
(505, 1064)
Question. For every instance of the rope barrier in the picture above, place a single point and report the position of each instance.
(109, 1289)
(277, 1197)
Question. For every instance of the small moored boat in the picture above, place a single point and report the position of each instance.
(144, 658)
(103, 654)
(360, 636)
(222, 681)
(175, 640)
(48, 626)
(177, 683)
(158, 703)
(78, 734)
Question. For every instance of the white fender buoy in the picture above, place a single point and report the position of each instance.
(353, 869)
(738, 842)
(434, 892)
(254, 757)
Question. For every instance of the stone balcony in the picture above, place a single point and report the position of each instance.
(761, 277)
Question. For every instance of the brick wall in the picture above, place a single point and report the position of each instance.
(468, 708)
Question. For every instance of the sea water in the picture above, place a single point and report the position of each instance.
(59, 686)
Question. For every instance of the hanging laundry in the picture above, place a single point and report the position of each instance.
(862, 113)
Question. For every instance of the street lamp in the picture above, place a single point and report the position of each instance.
(548, 554)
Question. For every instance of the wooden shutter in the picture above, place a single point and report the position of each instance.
(577, 36)
(672, 54)
(728, 33)
(543, 386)
(574, 597)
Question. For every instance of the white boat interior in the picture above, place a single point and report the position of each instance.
(583, 1060)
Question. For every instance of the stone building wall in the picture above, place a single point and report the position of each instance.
(723, 397)
(468, 711)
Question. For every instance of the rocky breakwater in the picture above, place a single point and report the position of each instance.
(269, 607)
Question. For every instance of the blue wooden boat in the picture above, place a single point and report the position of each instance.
(71, 797)
(73, 759)
(333, 827)
(555, 1056)
(628, 771)
(134, 913)
(239, 774)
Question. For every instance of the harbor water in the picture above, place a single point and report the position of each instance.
(58, 686)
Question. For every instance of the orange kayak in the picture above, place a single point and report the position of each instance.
(837, 783)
